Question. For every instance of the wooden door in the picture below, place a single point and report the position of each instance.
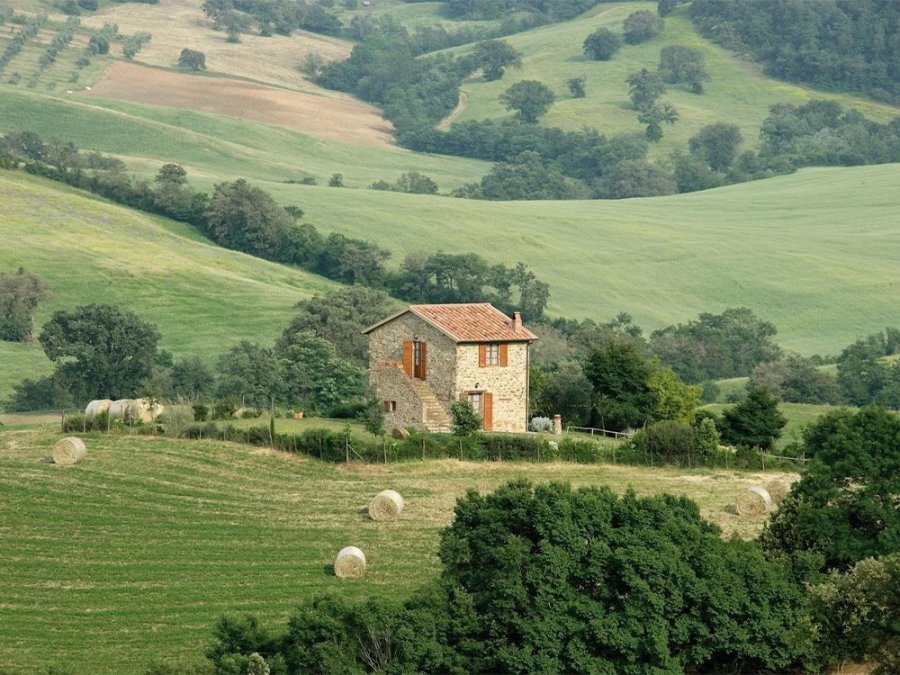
(420, 358)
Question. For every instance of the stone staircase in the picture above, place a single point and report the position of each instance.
(435, 416)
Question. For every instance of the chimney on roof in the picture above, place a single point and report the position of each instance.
(517, 322)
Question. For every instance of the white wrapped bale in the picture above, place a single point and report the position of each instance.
(97, 407)
(69, 451)
(756, 501)
(387, 505)
(350, 563)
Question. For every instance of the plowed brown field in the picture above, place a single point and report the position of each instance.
(335, 116)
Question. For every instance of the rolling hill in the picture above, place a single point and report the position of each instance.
(203, 298)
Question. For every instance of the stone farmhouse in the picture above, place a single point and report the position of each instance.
(425, 357)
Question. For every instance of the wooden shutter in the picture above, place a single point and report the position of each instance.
(482, 355)
(487, 413)
(504, 353)
(408, 358)
(423, 359)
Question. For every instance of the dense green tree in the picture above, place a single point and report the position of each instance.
(465, 421)
(190, 59)
(551, 579)
(20, 294)
(602, 44)
(864, 376)
(576, 86)
(857, 614)
(251, 374)
(246, 218)
(679, 64)
(644, 88)
(635, 178)
(494, 57)
(530, 100)
(619, 374)
(692, 173)
(754, 422)
(641, 26)
(796, 380)
(563, 390)
(716, 346)
(675, 400)
(526, 177)
(717, 144)
(313, 376)
(414, 182)
(340, 317)
(108, 352)
(845, 506)
(655, 116)
(191, 379)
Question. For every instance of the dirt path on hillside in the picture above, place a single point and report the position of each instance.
(456, 112)
(338, 117)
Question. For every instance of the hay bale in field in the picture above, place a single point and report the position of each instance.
(756, 501)
(778, 489)
(145, 411)
(400, 433)
(350, 563)
(97, 407)
(68, 451)
(387, 505)
(119, 409)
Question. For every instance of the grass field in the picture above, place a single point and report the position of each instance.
(135, 553)
(798, 415)
(737, 93)
(203, 298)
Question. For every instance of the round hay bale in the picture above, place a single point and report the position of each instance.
(141, 409)
(350, 563)
(387, 505)
(97, 407)
(756, 501)
(778, 489)
(399, 432)
(119, 409)
(68, 451)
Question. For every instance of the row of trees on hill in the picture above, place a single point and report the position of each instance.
(552, 578)
(243, 217)
(849, 46)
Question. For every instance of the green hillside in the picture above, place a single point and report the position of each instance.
(203, 298)
(737, 93)
(816, 253)
(136, 552)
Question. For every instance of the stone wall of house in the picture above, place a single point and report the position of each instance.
(392, 384)
(507, 384)
(386, 345)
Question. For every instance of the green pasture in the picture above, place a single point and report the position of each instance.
(214, 148)
(816, 253)
(203, 298)
(134, 553)
(737, 93)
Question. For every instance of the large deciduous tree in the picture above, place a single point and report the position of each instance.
(602, 44)
(529, 98)
(246, 218)
(754, 422)
(717, 144)
(107, 351)
(644, 88)
(641, 26)
(845, 507)
(678, 63)
(340, 317)
(20, 294)
(494, 57)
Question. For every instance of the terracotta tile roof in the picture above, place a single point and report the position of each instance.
(473, 322)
